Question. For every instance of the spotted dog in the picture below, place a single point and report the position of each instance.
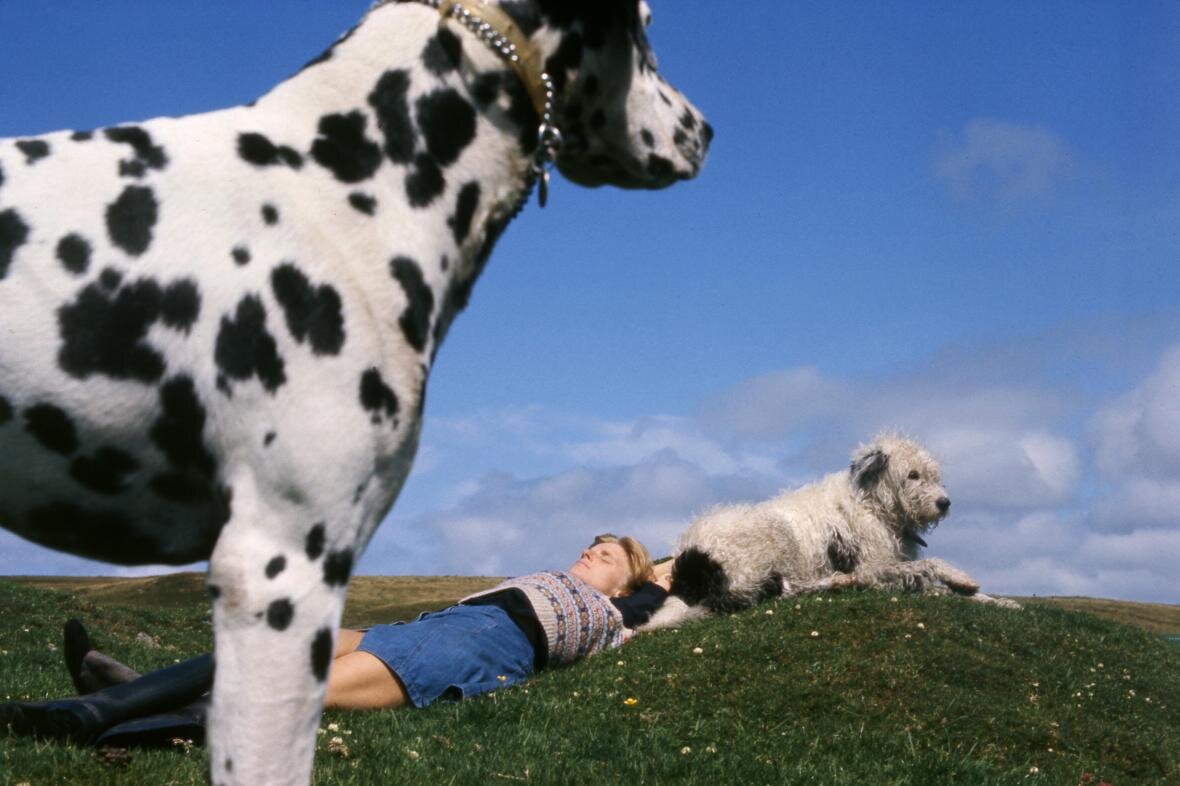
(218, 328)
(858, 528)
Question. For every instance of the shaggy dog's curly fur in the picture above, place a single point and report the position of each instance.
(860, 528)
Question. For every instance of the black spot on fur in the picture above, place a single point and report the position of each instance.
(567, 58)
(180, 305)
(74, 252)
(270, 215)
(52, 427)
(377, 397)
(321, 654)
(268, 439)
(866, 469)
(699, 580)
(658, 166)
(415, 319)
(214, 591)
(523, 14)
(82, 136)
(105, 472)
(313, 313)
(647, 137)
(276, 566)
(465, 206)
(131, 219)
(147, 154)
(844, 557)
(343, 148)
(100, 534)
(447, 121)
(178, 431)
(389, 100)
(314, 544)
(279, 614)
(362, 203)
(104, 331)
(13, 234)
(34, 149)
(241, 255)
(338, 568)
(442, 54)
(258, 150)
(245, 349)
(110, 279)
(425, 181)
(485, 88)
(182, 488)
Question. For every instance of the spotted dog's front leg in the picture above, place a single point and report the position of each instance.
(278, 589)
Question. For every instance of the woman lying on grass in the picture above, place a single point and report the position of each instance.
(486, 641)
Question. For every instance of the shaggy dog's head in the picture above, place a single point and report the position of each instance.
(901, 482)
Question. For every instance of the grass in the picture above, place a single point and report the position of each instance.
(847, 689)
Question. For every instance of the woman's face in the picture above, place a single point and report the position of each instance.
(604, 567)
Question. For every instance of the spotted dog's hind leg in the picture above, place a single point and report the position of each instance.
(278, 578)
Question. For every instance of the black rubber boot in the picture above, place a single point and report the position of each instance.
(89, 669)
(83, 719)
(76, 645)
(186, 724)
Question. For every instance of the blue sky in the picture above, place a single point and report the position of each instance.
(956, 219)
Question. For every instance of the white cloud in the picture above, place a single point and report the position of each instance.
(997, 468)
(1140, 432)
(1002, 161)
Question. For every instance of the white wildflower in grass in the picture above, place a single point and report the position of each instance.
(770, 612)
(620, 663)
(908, 636)
(893, 599)
(921, 626)
(414, 755)
(333, 727)
(1033, 770)
(697, 651)
(815, 634)
(685, 750)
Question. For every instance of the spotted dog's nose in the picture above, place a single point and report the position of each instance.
(943, 504)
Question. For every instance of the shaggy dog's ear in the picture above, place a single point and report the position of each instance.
(867, 467)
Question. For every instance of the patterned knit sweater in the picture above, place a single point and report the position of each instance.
(577, 619)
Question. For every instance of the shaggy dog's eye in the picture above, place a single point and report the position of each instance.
(914, 475)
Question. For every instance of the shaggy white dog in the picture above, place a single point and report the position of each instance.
(860, 528)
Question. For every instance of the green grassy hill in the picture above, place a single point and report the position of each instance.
(858, 688)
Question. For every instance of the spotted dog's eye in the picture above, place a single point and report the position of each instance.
(914, 475)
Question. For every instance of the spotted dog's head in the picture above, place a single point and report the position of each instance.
(902, 482)
(622, 123)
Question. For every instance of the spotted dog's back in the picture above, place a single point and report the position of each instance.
(218, 328)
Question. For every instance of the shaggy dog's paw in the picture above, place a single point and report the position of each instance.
(960, 582)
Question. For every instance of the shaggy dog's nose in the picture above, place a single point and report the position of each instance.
(943, 504)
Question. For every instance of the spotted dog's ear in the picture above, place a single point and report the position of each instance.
(867, 467)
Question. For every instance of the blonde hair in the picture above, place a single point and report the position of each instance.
(638, 559)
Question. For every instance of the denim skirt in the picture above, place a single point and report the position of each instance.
(454, 653)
